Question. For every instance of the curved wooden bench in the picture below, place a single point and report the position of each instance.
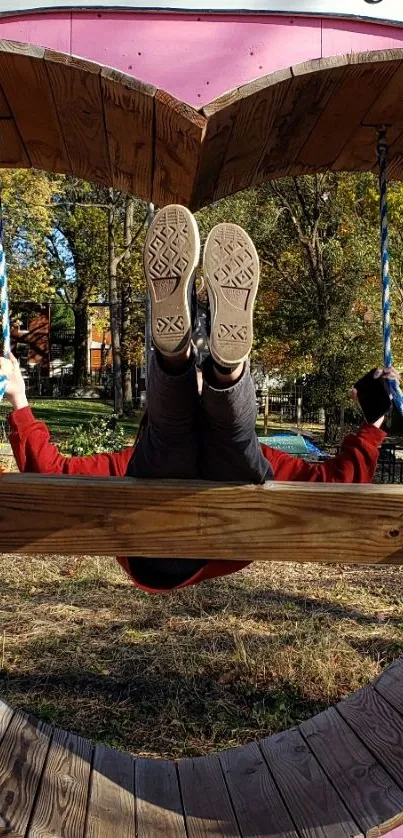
(338, 774)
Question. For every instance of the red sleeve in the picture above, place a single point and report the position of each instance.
(355, 463)
(33, 451)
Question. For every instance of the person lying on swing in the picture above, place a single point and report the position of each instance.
(189, 432)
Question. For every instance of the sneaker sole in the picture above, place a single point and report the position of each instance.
(231, 272)
(171, 255)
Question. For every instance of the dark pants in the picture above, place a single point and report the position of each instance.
(188, 437)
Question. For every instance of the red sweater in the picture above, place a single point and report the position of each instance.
(33, 451)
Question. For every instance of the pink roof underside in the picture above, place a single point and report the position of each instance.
(197, 57)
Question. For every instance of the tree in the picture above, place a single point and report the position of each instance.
(79, 247)
(27, 197)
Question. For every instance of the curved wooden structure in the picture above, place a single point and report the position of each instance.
(337, 775)
(65, 114)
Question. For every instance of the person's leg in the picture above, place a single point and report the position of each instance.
(231, 450)
(169, 445)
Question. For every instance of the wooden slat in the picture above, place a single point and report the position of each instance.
(13, 154)
(129, 117)
(24, 80)
(299, 111)
(390, 685)
(62, 800)
(277, 521)
(256, 113)
(6, 714)
(367, 790)
(259, 809)
(220, 115)
(179, 131)
(315, 806)
(378, 726)
(206, 802)
(158, 800)
(76, 86)
(360, 86)
(111, 806)
(23, 751)
(360, 152)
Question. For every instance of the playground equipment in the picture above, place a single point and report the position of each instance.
(305, 94)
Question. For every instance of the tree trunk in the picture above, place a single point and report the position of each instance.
(80, 345)
(114, 310)
(126, 310)
(88, 346)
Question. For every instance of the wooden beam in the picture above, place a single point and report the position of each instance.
(296, 522)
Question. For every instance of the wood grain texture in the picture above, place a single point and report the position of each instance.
(360, 151)
(76, 86)
(220, 115)
(259, 809)
(6, 714)
(277, 521)
(256, 114)
(379, 727)
(62, 800)
(390, 685)
(206, 802)
(315, 806)
(334, 135)
(129, 118)
(158, 800)
(23, 751)
(13, 154)
(367, 790)
(111, 805)
(24, 80)
(179, 131)
(297, 115)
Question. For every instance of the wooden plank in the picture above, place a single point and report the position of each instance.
(390, 685)
(360, 86)
(260, 103)
(6, 714)
(76, 86)
(379, 727)
(367, 790)
(159, 806)
(13, 154)
(206, 802)
(284, 522)
(220, 115)
(259, 809)
(360, 151)
(312, 800)
(179, 131)
(62, 800)
(111, 806)
(24, 80)
(129, 117)
(23, 751)
(299, 111)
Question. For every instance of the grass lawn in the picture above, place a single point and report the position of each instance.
(196, 671)
(63, 414)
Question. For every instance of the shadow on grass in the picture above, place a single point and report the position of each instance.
(239, 600)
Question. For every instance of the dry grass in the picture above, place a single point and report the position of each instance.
(197, 671)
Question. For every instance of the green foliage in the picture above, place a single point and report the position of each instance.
(98, 436)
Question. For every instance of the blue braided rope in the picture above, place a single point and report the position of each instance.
(5, 315)
(385, 274)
